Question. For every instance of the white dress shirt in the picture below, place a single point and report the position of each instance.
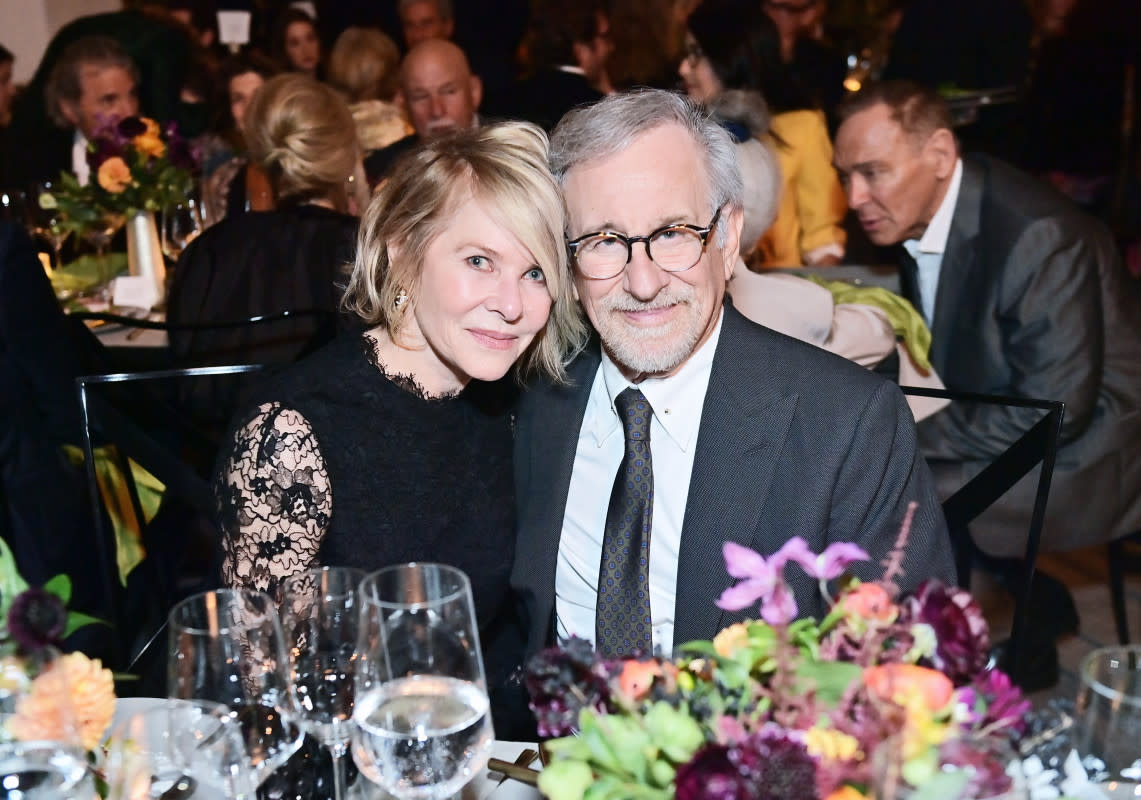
(928, 250)
(677, 402)
(79, 158)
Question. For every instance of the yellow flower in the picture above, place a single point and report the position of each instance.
(149, 144)
(114, 175)
(846, 793)
(731, 639)
(831, 745)
(73, 700)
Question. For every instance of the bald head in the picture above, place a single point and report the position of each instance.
(438, 89)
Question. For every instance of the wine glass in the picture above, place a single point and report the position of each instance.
(98, 233)
(47, 220)
(321, 616)
(423, 727)
(181, 223)
(1108, 711)
(179, 748)
(226, 647)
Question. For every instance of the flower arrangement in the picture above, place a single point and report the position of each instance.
(45, 696)
(135, 166)
(787, 708)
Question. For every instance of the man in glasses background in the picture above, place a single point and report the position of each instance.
(683, 425)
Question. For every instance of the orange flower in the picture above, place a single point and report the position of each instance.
(901, 683)
(846, 793)
(150, 142)
(114, 175)
(870, 601)
(73, 701)
(729, 640)
(637, 677)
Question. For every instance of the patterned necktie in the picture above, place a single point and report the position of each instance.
(622, 623)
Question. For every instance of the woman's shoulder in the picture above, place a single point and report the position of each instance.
(791, 123)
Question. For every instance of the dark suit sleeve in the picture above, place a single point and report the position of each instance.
(1049, 320)
(881, 475)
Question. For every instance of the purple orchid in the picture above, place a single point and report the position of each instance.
(829, 564)
(758, 577)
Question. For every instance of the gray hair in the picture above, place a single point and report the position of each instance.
(64, 83)
(442, 6)
(609, 126)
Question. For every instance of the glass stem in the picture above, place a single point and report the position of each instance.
(337, 751)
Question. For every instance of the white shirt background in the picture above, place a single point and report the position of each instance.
(677, 402)
(928, 250)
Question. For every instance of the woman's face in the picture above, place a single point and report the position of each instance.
(480, 302)
(701, 82)
(242, 89)
(302, 47)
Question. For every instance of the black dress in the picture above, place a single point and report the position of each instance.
(343, 465)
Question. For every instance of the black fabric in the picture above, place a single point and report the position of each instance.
(543, 98)
(379, 163)
(909, 279)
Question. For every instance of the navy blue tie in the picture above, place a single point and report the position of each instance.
(622, 622)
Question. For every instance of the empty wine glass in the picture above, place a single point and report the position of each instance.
(226, 647)
(181, 223)
(321, 616)
(422, 723)
(178, 748)
(1108, 711)
(98, 233)
(47, 220)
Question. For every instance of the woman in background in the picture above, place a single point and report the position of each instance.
(364, 67)
(733, 45)
(296, 44)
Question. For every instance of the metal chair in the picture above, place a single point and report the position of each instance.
(1117, 559)
(1038, 445)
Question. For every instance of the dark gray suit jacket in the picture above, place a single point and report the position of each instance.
(1033, 302)
(793, 441)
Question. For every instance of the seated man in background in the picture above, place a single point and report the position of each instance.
(1025, 296)
(440, 94)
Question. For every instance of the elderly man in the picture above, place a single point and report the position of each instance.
(422, 20)
(1025, 296)
(734, 432)
(440, 93)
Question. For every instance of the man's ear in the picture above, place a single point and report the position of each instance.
(943, 152)
(731, 222)
(476, 92)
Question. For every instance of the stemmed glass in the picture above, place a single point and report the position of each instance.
(423, 728)
(98, 233)
(179, 748)
(47, 220)
(226, 646)
(181, 223)
(320, 613)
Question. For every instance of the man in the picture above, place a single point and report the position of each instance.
(569, 42)
(1025, 296)
(422, 20)
(753, 437)
(440, 94)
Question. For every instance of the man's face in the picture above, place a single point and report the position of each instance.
(422, 21)
(440, 94)
(893, 182)
(592, 55)
(651, 321)
(105, 93)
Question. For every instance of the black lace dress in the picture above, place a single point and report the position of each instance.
(342, 465)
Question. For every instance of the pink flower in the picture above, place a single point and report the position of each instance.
(960, 628)
(829, 564)
(758, 577)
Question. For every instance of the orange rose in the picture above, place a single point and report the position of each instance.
(114, 175)
(73, 701)
(899, 683)
(870, 601)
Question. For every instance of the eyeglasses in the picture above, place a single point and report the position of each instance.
(674, 248)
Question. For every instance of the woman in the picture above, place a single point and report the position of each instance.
(296, 43)
(364, 67)
(390, 445)
(734, 45)
(301, 135)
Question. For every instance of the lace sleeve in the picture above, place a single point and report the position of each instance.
(274, 500)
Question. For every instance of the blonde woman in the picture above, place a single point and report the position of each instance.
(364, 66)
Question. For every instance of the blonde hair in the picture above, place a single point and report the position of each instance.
(364, 65)
(300, 132)
(504, 166)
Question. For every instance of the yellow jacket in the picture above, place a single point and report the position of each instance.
(809, 223)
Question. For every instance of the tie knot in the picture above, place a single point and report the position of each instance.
(635, 412)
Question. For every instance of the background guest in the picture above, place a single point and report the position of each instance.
(295, 43)
(421, 20)
(812, 61)
(364, 67)
(646, 38)
(734, 45)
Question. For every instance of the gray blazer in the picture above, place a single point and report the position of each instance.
(1033, 302)
(793, 441)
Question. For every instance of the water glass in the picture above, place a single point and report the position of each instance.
(226, 647)
(321, 616)
(179, 748)
(423, 727)
(181, 223)
(1108, 710)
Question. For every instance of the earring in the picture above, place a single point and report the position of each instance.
(401, 299)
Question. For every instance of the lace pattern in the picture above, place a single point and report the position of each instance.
(406, 382)
(275, 501)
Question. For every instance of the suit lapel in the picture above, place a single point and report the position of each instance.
(957, 274)
(743, 428)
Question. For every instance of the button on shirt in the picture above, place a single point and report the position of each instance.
(677, 402)
(928, 250)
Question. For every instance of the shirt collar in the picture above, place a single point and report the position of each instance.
(677, 400)
(571, 69)
(934, 239)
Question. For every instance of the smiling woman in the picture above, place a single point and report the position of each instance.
(394, 444)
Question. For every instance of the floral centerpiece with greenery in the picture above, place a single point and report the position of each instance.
(136, 166)
(782, 707)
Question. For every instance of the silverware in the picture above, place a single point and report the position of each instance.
(520, 770)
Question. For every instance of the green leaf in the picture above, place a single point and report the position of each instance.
(830, 679)
(565, 780)
(60, 586)
(674, 731)
(76, 620)
(11, 583)
(594, 735)
(941, 786)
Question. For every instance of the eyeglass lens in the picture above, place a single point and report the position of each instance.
(672, 249)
